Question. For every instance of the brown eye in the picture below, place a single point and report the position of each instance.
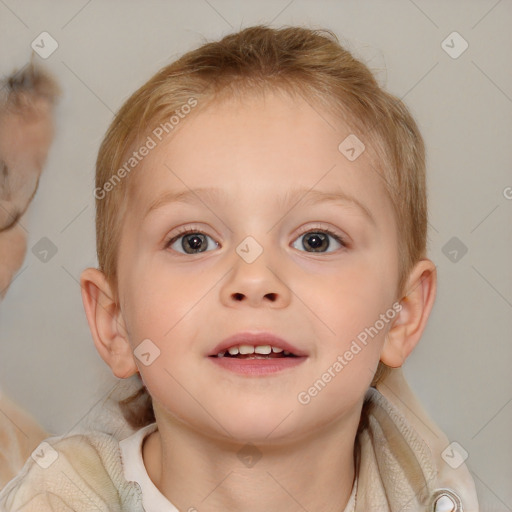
(319, 241)
(191, 243)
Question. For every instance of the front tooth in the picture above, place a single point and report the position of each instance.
(233, 351)
(246, 349)
(263, 349)
(276, 350)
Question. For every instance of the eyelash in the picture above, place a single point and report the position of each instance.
(185, 231)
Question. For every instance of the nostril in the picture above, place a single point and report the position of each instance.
(240, 296)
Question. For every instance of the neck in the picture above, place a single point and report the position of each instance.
(196, 473)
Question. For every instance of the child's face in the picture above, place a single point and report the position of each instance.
(188, 298)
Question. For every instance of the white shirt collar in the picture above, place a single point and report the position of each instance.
(135, 471)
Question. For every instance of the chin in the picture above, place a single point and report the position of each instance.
(257, 423)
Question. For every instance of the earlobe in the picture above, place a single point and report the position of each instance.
(106, 323)
(410, 323)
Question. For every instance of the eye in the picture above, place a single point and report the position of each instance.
(191, 242)
(317, 240)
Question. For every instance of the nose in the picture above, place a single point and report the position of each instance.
(257, 284)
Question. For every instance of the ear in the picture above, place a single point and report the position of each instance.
(410, 323)
(106, 323)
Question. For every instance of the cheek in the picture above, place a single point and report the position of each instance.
(155, 301)
(352, 297)
(355, 312)
(160, 310)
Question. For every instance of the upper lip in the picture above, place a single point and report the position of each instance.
(255, 339)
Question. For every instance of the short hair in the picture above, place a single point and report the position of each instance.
(295, 60)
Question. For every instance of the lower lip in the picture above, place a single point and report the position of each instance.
(256, 367)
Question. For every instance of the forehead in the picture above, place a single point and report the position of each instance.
(267, 148)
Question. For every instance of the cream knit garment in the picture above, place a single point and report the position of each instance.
(400, 470)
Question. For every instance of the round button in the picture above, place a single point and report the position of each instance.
(446, 500)
(444, 504)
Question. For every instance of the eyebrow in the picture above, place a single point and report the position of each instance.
(289, 200)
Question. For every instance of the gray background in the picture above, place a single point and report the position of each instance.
(461, 369)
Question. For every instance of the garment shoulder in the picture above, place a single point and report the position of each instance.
(80, 473)
(401, 470)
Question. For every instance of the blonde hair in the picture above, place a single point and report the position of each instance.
(294, 60)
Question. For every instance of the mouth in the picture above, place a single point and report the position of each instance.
(256, 354)
(245, 345)
(252, 352)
